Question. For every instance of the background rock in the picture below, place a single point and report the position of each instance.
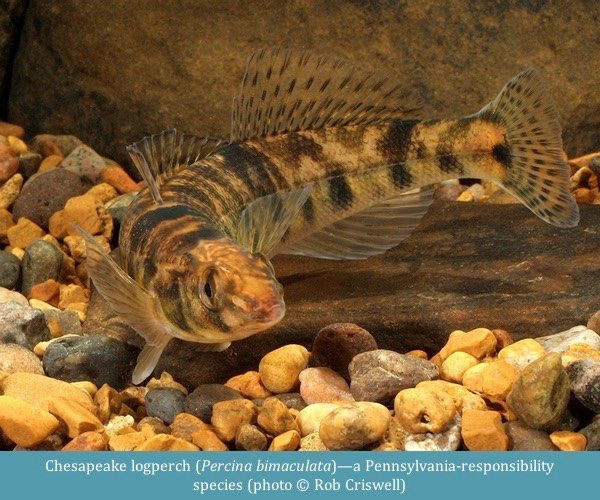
(180, 63)
(466, 266)
(11, 14)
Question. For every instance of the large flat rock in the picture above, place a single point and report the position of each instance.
(466, 266)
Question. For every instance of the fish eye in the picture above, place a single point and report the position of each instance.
(207, 291)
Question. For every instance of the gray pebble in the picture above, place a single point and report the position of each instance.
(561, 342)
(85, 162)
(592, 433)
(15, 358)
(22, 325)
(584, 375)
(101, 360)
(379, 375)
(41, 262)
(200, 401)
(68, 321)
(10, 270)
(164, 403)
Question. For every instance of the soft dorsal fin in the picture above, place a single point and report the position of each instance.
(369, 232)
(287, 91)
(160, 156)
(263, 222)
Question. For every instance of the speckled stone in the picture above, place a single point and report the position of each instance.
(309, 419)
(524, 438)
(354, 426)
(22, 325)
(10, 270)
(185, 425)
(335, 345)
(540, 395)
(41, 262)
(250, 438)
(447, 440)
(46, 193)
(421, 410)
(228, 416)
(585, 382)
(88, 441)
(561, 342)
(275, 418)
(164, 403)
(201, 400)
(592, 434)
(101, 360)
(279, 369)
(85, 162)
(379, 375)
(323, 385)
(312, 442)
(462, 397)
(16, 358)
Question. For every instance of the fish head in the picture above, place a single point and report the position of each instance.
(223, 293)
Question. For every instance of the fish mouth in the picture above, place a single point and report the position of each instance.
(271, 313)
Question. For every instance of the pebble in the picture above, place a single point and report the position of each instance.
(100, 360)
(23, 325)
(12, 296)
(7, 129)
(524, 438)
(48, 144)
(454, 366)
(103, 191)
(498, 378)
(323, 385)
(480, 342)
(579, 352)
(249, 385)
(166, 442)
(9, 191)
(166, 380)
(10, 270)
(424, 410)
(42, 261)
(522, 347)
(473, 377)
(279, 369)
(483, 431)
(201, 400)
(228, 416)
(29, 163)
(88, 212)
(540, 395)
(379, 375)
(561, 342)
(117, 424)
(207, 440)
(447, 440)
(118, 178)
(63, 323)
(462, 397)
(15, 358)
(6, 222)
(85, 162)
(593, 323)
(312, 442)
(47, 291)
(250, 438)
(275, 418)
(288, 441)
(164, 403)
(292, 400)
(23, 233)
(74, 416)
(151, 426)
(9, 163)
(126, 442)
(584, 376)
(354, 426)
(309, 419)
(88, 441)
(592, 435)
(39, 389)
(335, 345)
(24, 423)
(185, 425)
(46, 193)
(50, 162)
(568, 440)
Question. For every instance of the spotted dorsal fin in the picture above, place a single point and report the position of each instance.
(160, 156)
(369, 232)
(286, 91)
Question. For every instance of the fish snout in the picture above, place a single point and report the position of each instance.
(268, 310)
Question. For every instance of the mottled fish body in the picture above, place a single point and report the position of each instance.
(325, 160)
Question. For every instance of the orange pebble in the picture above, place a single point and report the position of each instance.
(118, 178)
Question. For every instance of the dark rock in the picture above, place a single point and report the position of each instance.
(29, 163)
(200, 401)
(592, 433)
(584, 375)
(101, 360)
(336, 345)
(16, 358)
(164, 403)
(379, 375)
(11, 13)
(22, 325)
(48, 144)
(41, 262)
(10, 270)
(46, 193)
(540, 396)
(523, 438)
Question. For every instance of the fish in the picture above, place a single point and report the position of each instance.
(325, 159)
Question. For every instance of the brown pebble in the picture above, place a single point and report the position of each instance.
(58, 226)
(77, 418)
(503, 338)
(7, 129)
(275, 418)
(418, 353)
(312, 442)
(228, 416)
(24, 423)
(498, 378)
(569, 441)
(6, 222)
(108, 401)
(424, 410)
(249, 385)
(50, 162)
(118, 178)
(9, 191)
(279, 369)
(87, 212)
(48, 291)
(166, 381)
(23, 233)
(103, 191)
(584, 196)
(250, 438)
(207, 440)
(151, 426)
(166, 442)
(483, 431)
(88, 441)
(185, 425)
(480, 342)
(288, 441)
(126, 442)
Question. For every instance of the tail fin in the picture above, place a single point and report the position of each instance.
(535, 170)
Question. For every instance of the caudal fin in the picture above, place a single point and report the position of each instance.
(531, 155)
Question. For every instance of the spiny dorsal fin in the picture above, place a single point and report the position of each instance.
(160, 156)
(369, 232)
(287, 91)
(264, 222)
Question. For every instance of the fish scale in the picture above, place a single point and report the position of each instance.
(326, 160)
